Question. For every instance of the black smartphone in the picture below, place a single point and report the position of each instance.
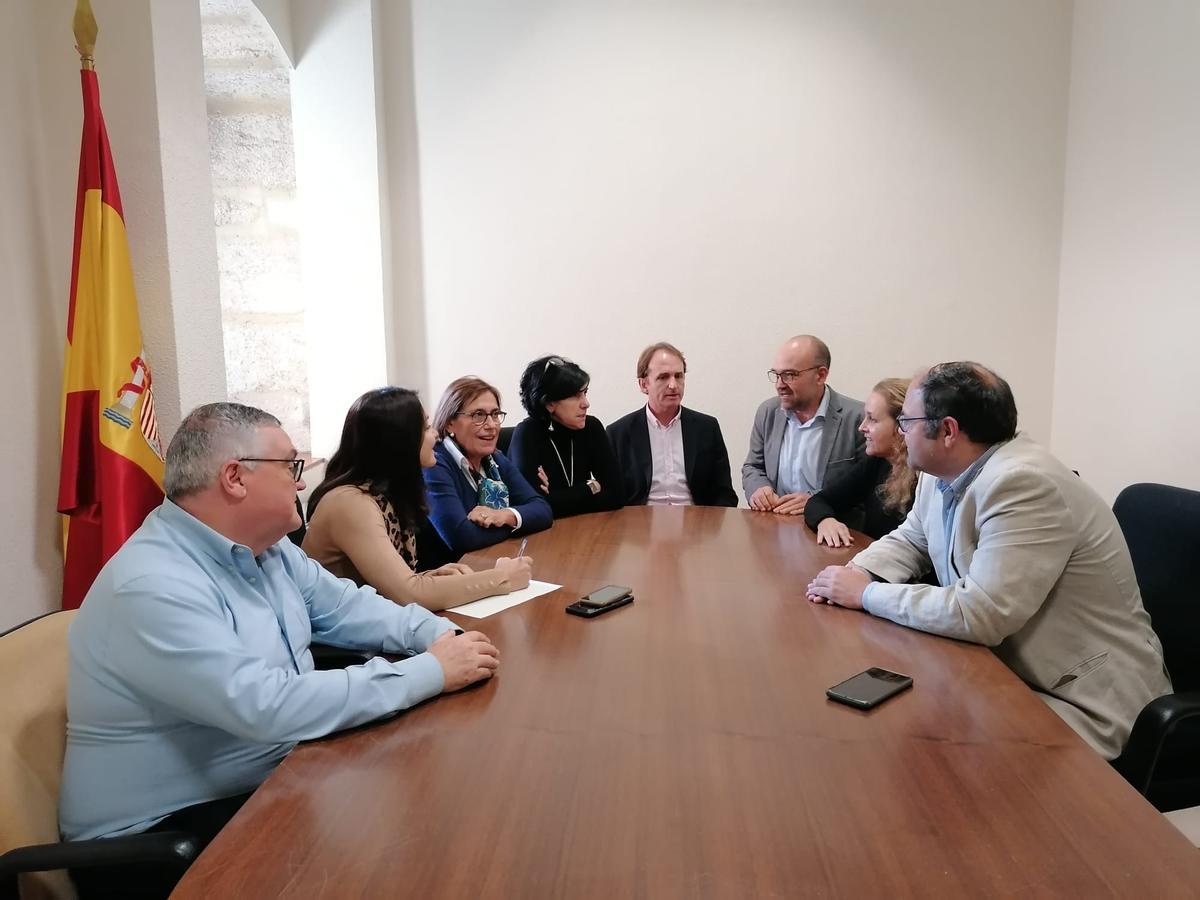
(606, 595)
(868, 689)
(588, 612)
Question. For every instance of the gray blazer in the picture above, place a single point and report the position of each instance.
(840, 442)
(1038, 570)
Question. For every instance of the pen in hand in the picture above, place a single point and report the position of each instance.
(521, 550)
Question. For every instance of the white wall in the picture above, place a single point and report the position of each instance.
(1128, 358)
(278, 14)
(181, 306)
(596, 176)
(152, 91)
(35, 251)
(401, 174)
(341, 206)
(889, 175)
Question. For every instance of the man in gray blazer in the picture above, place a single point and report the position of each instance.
(1030, 560)
(802, 435)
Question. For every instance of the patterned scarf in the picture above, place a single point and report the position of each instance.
(493, 492)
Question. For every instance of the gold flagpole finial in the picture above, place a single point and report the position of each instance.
(85, 34)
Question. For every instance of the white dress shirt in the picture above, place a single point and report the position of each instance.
(800, 453)
(668, 480)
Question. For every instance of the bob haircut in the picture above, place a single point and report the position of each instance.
(549, 379)
(459, 393)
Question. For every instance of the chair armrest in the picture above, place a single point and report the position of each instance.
(327, 657)
(159, 847)
(1152, 730)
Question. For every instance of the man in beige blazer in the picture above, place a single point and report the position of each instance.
(1029, 559)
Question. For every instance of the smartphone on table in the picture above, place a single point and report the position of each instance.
(610, 596)
(868, 689)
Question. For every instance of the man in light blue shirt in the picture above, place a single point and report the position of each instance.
(799, 456)
(190, 671)
(804, 435)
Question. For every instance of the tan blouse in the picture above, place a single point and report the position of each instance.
(349, 536)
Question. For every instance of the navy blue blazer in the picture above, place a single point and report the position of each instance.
(451, 496)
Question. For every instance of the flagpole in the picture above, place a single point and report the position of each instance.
(111, 468)
(85, 29)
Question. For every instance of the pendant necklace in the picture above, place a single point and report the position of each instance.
(570, 478)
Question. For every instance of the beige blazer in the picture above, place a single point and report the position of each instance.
(1038, 570)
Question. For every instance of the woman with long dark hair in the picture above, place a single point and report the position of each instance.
(364, 517)
(560, 449)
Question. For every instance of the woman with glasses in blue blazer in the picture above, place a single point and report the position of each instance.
(476, 496)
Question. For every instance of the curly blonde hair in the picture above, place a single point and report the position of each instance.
(897, 491)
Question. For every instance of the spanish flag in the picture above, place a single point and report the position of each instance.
(112, 459)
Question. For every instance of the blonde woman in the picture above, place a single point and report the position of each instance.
(881, 481)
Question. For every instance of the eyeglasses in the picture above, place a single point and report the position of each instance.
(787, 376)
(553, 361)
(479, 416)
(902, 422)
(296, 464)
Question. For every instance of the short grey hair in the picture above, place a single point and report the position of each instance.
(209, 436)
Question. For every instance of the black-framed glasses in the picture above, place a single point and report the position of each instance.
(479, 416)
(787, 376)
(296, 464)
(902, 422)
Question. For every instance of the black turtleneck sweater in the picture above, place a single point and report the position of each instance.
(531, 447)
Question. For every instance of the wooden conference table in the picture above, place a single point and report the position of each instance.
(683, 746)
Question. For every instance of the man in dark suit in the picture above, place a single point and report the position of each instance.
(670, 455)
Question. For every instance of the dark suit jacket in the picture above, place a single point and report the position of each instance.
(705, 459)
(451, 496)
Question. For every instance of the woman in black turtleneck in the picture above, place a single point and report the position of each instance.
(560, 449)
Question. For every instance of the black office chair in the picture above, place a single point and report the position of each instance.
(504, 439)
(1162, 528)
(432, 551)
(33, 737)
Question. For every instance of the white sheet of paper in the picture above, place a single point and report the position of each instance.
(481, 609)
